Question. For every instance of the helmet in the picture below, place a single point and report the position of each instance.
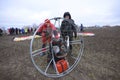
(67, 14)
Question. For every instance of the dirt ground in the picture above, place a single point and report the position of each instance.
(100, 60)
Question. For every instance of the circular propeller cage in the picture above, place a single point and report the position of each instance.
(49, 69)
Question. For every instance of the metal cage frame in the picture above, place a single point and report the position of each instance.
(57, 74)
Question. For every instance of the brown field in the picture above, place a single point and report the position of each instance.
(100, 60)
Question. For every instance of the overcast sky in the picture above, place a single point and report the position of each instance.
(89, 12)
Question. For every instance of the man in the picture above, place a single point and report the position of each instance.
(1, 32)
(81, 28)
(68, 27)
(47, 30)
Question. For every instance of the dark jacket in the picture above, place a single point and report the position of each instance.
(68, 27)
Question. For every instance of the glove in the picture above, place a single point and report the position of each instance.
(38, 33)
(47, 34)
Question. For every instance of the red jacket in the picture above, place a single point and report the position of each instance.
(43, 29)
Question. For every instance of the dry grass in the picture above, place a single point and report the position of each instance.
(101, 59)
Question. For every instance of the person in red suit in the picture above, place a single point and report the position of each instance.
(47, 31)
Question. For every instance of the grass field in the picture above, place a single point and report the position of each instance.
(100, 60)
